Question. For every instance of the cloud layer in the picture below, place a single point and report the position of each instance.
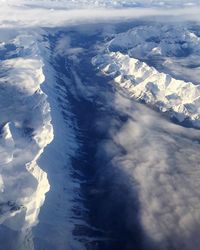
(16, 15)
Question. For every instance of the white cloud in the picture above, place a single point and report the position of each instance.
(162, 162)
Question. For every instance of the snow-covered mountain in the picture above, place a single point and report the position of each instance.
(161, 40)
(155, 45)
(173, 49)
(25, 131)
(72, 144)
